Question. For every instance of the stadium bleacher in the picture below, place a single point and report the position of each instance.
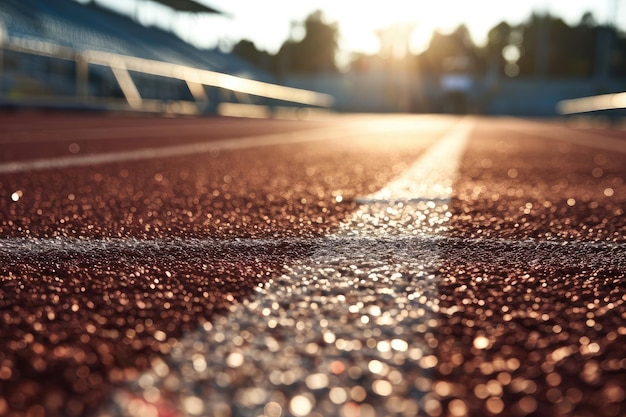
(92, 27)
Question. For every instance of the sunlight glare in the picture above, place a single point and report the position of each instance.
(358, 22)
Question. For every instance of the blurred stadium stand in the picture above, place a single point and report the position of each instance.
(50, 57)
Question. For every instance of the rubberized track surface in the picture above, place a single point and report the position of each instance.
(485, 278)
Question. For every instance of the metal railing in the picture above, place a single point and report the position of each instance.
(593, 103)
(121, 67)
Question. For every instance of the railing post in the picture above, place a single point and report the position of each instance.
(199, 94)
(213, 101)
(127, 85)
(82, 77)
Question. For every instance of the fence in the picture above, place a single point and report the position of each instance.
(207, 90)
(593, 103)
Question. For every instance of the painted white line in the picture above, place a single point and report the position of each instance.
(320, 134)
(432, 176)
(324, 308)
(493, 250)
(350, 128)
(415, 203)
(360, 302)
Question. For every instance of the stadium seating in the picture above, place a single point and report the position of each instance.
(90, 26)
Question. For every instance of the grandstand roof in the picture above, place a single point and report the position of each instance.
(188, 6)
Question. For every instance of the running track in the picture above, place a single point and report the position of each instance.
(352, 265)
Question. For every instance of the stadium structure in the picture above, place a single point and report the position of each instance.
(68, 54)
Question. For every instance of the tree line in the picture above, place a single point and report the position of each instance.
(542, 46)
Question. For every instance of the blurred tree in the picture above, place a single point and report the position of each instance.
(543, 46)
(314, 53)
(247, 50)
(497, 39)
(583, 43)
(619, 58)
(554, 49)
(587, 20)
(454, 52)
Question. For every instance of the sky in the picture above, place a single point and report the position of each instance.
(268, 23)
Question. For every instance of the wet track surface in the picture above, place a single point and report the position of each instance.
(354, 266)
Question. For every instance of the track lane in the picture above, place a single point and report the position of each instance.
(514, 184)
(103, 317)
(506, 289)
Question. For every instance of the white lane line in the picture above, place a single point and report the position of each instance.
(549, 131)
(548, 253)
(417, 201)
(71, 246)
(355, 283)
(323, 310)
(320, 134)
(432, 176)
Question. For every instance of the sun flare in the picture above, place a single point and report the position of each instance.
(358, 25)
